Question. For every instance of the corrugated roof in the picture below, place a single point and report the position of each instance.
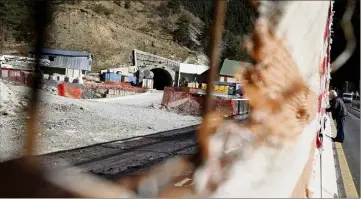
(70, 53)
(230, 67)
(80, 63)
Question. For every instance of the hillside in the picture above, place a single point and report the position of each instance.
(110, 32)
(112, 29)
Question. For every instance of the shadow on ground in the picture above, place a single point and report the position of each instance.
(122, 157)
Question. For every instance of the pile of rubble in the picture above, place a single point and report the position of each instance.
(93, 93)
(158, 106)
(187, 106)
(50, 86)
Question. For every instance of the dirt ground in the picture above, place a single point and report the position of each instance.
(70, 123)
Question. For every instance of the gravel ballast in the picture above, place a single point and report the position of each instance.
(70, 123)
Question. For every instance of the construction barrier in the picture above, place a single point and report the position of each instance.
(115, 86)
(19, 76)
(123, 84)
(68, 90)
(13, 75)
(178, 99)
(226, 107)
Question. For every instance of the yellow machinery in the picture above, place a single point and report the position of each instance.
(217, 88)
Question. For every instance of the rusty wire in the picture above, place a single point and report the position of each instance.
(216, 39)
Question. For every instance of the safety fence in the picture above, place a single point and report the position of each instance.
(97, 90)
(19, 76)
(190, 103)
(69, 90)
(115, 86)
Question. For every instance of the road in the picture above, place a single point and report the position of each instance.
(351, 146)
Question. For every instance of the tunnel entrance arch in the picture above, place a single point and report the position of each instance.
(162, 78)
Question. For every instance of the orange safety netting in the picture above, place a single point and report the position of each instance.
(67, 90)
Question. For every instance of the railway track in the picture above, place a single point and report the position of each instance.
(123, 157)
(129, 157)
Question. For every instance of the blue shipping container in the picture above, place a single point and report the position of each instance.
(112, 77)
(132, 79)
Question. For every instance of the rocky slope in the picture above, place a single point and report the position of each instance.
(110, 31)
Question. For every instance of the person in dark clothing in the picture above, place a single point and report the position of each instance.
(339, 112)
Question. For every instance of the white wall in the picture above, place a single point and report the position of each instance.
(73, 73)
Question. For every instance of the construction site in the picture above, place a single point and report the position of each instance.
(132, 113)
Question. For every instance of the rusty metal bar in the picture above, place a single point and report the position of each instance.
(211, 119)
(216, 39)
(41, 18)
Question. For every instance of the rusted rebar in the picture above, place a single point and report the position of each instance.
(41, 18)
(216, 39)
(212, 120)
